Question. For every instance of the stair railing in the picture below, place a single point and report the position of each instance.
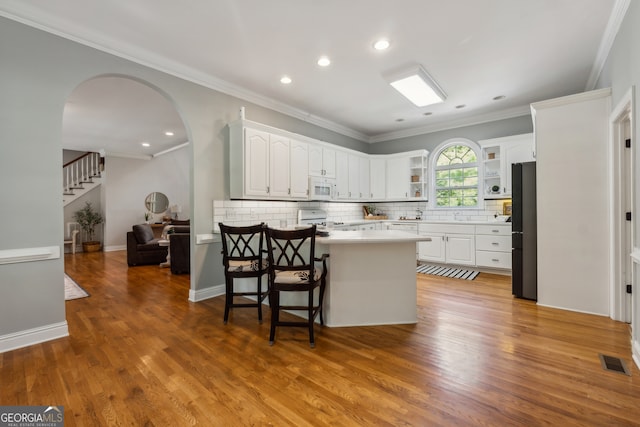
(80, 171)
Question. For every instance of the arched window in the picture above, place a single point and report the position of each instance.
(456, 175)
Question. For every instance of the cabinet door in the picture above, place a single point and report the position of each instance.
(365, 185)
(461, 249)
(279, 161)
(398, 178)
(519, 152)
(299, 179)
(256, 152)
(377, 178)
(329, 162)
(433, 250)
(342, 175)
(354, 176)
(315, 160)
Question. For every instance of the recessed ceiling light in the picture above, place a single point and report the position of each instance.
(285, 80)
(499, 97)
(146, 144)
(460, 106)
(168, 133)
(399, 120)
(324, 61)
(381, 44)
(427, 113)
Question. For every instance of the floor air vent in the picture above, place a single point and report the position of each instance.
(614, 364)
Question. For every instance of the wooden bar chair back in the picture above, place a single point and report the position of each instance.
(243, 256)
(292, 269)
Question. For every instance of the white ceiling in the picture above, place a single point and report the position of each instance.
(475, 49)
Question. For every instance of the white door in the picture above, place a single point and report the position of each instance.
(342, 175)
(299, 179)
(377, 178)
(329, 162)
(461, 249)
(279, 166)
(256, 152)
(354, 177)
(365, 185)
(433, 250)
(398, 178)
(315, 160)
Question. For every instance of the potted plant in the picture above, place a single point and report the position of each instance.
(88, 218)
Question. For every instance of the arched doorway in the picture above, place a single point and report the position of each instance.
(143, 142)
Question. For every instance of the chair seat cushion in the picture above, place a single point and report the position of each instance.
(250, 265)
(297, 276)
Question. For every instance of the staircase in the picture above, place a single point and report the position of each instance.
(80, 176)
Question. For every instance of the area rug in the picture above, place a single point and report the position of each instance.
(454, 273)
(72, 290)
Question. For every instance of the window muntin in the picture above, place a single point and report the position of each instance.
(456, 177)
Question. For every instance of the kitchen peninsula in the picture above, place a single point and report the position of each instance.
(372, 277)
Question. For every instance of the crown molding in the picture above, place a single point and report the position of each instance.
(570, 99)
(523, 110)
(143, 57)
(615, 21)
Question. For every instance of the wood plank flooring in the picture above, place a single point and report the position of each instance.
(140, 353)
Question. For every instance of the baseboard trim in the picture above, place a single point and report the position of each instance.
(206, 293)
(33, 336)
(115, 248)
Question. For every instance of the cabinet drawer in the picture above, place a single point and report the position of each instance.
(494, 230)
(493, 243)
(493, 259)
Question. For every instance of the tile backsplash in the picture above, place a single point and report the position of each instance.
(246, 212)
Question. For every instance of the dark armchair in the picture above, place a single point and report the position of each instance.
(180, 249)
(143, 248)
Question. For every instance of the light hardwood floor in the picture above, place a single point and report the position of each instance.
(139, 353)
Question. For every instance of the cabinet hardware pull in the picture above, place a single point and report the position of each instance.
(495, 243)
(495, 231)
(268, 189)
(495, 260)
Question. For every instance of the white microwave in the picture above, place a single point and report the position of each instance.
(321, 188)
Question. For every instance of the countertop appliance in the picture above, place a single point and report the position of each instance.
(524, 259)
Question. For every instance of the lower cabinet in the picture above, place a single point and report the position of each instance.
(493, 246)
(450, 244)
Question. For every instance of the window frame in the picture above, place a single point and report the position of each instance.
(433, 161)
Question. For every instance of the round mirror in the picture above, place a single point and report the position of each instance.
(156, 203)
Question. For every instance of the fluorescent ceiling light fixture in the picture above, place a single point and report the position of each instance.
(417, 86)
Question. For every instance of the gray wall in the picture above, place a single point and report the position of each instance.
(496, 129)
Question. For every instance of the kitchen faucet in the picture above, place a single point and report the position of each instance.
(418, 213)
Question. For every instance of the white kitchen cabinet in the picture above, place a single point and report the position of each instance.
(493, 246)
(342, 175)
(265, 165)
(354, 177)
(256, 163)
(498, 155)
(299, 177)
(322, 161)
(450, 243)
(433, 250)
(407, 176)
(364, 182)
(377, 178)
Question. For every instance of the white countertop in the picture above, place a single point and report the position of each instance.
(339, 237)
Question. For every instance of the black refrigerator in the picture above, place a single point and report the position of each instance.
(524, 259)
